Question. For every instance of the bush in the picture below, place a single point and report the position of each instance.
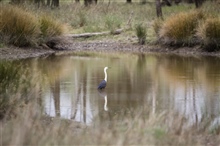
(17, 26)
(112, 23)
(50, 27)
(157, 24)
(180, 29)
(209, 32)
(22, 28)
(141, 33)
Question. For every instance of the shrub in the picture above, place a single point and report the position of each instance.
(141, 33)
(157, 24)
(80, 19)
(17, 26)
(50, 27)
(22, 28)
(112, 23)
(209, 32)
(180, 29)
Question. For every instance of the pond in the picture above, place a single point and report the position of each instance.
(188, 86)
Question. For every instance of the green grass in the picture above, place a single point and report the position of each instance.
(141, 33)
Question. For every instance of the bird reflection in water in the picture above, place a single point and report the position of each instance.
(104, 94)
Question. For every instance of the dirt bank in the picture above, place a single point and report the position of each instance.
(67, 45)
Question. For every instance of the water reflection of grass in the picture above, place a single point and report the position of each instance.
(15, 83)
(9, 81)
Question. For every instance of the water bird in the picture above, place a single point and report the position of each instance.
(103, 83)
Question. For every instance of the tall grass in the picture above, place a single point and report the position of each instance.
(20, 27)
(32, 127)
(50, 27)
(30, 27)
(180, 29)
(209, 32)
(96, 18)
(17, 26)
(198, 27)
(141, 33)
(112, 23)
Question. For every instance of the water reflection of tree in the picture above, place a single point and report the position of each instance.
(156, 77)
(55, 88)
(194, 74)
(56, 73)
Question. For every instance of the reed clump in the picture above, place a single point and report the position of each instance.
(197, 27)
(20, 27)
(50, 27)
(180, 29)
(209, 32)
(141, 32)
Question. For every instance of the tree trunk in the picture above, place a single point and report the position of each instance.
(158, 9)
(129, 1)
(198, 3)
(55, 3)
(89, 2)
(48, 3)
(143, 2)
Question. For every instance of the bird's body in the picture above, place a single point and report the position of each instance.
(103, 83)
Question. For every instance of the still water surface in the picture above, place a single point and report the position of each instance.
(189, 86)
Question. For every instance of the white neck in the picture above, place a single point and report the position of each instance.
(105, 75)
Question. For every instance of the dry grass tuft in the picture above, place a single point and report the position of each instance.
(17, 26)
(157, 24)
(50, 27)
(31, 126)
(209, 32)
(180, 29)
(22, 28)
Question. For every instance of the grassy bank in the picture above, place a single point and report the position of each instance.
(182, 24)
(78, 19)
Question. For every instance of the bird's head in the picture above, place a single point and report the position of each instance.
(105, 68)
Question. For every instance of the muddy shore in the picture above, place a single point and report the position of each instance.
(67, 45)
